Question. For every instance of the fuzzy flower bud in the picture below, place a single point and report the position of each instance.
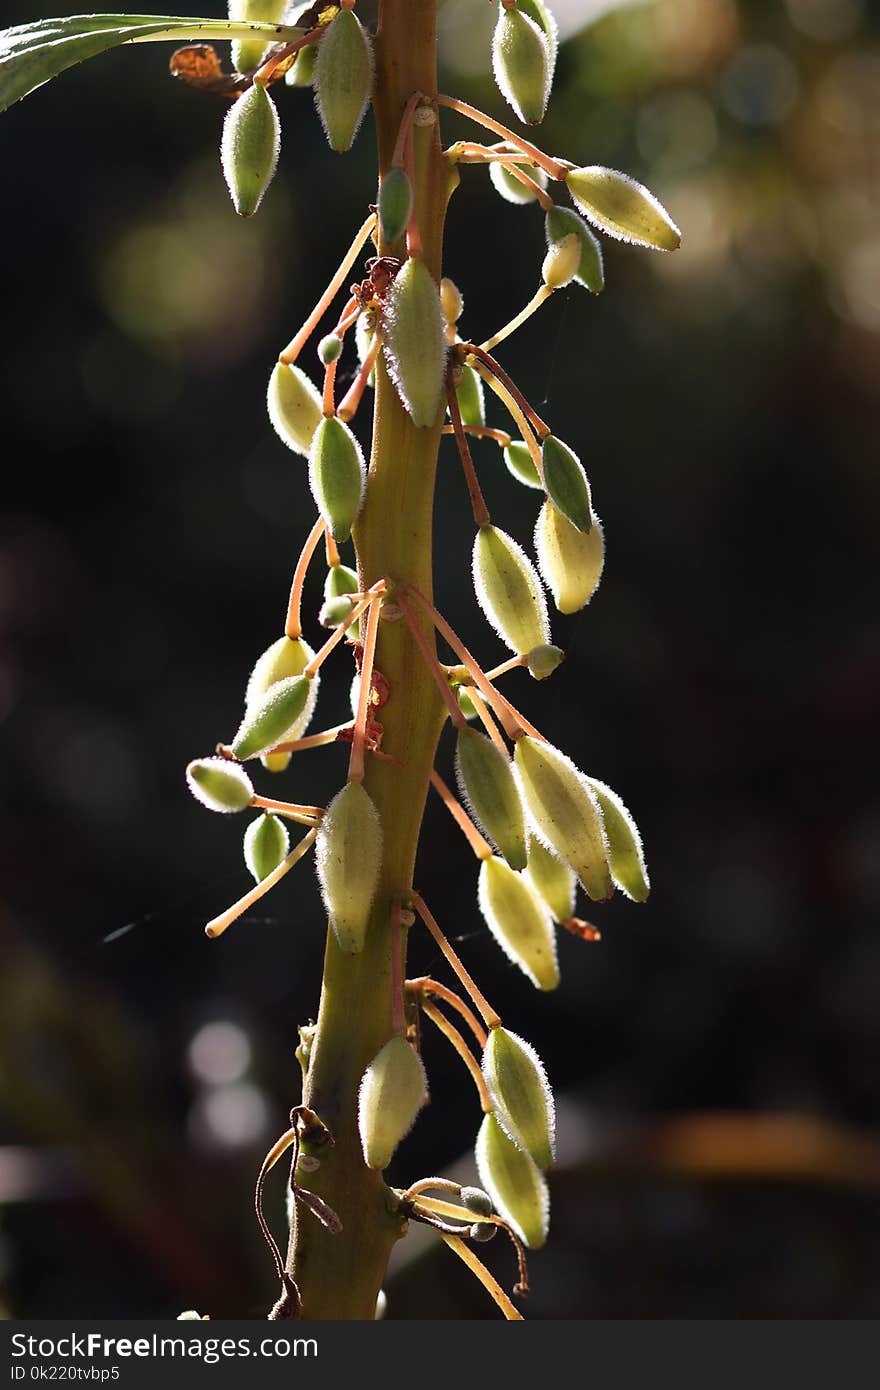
(561, 223)
(622, 208)
(348, 856)
(414, 342)
(266, 843)
(391, 1095)
(337, 474)
(219, 784)
(514, 1182)
(509, 591)
(486, 782)
(570, 560)
(521, 62)
(294, 406)
(565, 813)
(249, 148)
(343, 79)
(519, 921)
(518, 1085)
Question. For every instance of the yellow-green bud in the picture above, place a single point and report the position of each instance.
(553, 881)
(395, 205)
(329, 349)
(391, 1095)
(343, 79)
(626, 856)
(486, 782)
(546, 22)
(275, 762)
(521, 62)
(509, 591)
(302, 74)
(219, 784)
(294, 406)
(562, 222)
(521, 465)
(413, 341)
(271, 719)
(247, 54)
(622, 208)
(288, 656)
(519, 921)
(570, 561)
(337, 474)
(509, 187)
(249, 148)
(465, 703)
(266, 843)
(564, 812)
(523, 1100)
(340, 582)
(566, 483)
(348, 855)
(477, 1201)
(451, 300)
(471, 401)
(542, 661)
(561, 262)
(514, 1182)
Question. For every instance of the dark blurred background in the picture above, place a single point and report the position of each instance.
(717, 1055)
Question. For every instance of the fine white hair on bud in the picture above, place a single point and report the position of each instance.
(514, 1182)
(626, 856)
(348, 857)
(622, 208)
(392, 1092)
(486, 782)
(343, 79)
(294, 406)
(570, 561)
(519, 922)
(414, 341)
(219, 784)
(521, 63)
(249, 148)
(509, 591)
(564, 812)
(552, 880)
(523, 1099)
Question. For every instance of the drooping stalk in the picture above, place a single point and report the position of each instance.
(339, 1276)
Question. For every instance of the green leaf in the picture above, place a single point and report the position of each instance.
(31, 54)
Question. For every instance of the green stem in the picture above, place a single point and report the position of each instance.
(339, 1276)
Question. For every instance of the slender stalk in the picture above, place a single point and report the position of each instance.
(429, 986)
(296, 344)
(489, 1016)
(516, 413)
(543, 161)
(478, 502)
(489, 1282)
(541, 294)
(359, 742)
(452, 1035)
(217, 926)
(293, 621)
(481, 848)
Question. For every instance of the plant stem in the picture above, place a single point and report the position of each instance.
(339, 1276)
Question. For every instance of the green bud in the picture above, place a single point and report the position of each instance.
(413, 341)
(275, 762)
(566, 483)
(542, 661)
(622, 208)
(565, 813)
(570, 561)
(515, 1183)
(249, 148)
(337, 473)
(465, 703)
(561, 262)
(395, 205)
(523, 1100)
(266, 843)
(482, 1231)
(343, 79)
(302, 74)
(486, 782)
(272, 719)
(329, 348)
(519, 921)
(546, 22)
(553, 881)
(521, 62)
(509, 591)
(219, 784)
(562, 222)
(391, 1095)
(509, 187)
(294, 406)
(348, 855)
(521, 465)
(340, 582)
(471, 401)
(247, 54)
(477, 1201)
(451, 300)
(626, 856)
(288, 656)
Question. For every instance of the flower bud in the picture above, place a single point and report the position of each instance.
(486, 782)
(565, 813)
(471, 401)
(247, 54)
(553, 881)
(519, 921)
(414, 342)
(348, 855)
(521, 465)
(302, 74)
(523, 1100)
(391, 1095)
(294, 406)
(219, 784)
(509, 591)
(343, 79)
(249, 148)
(542, 661)
(566, 483)
(546, 22)
(340, 582)
(626, 856)
(266, 843)
(561, 262)
(329, 349)
(521, 62)
(477, 1201)
(570, 560)
(337, 473)
(451, 300)
(508, 186)
(561, 223)
(515, 1183)
(276, 762)
(465, 703)
(622, 208)
(483, 1231)
(395, 205)
(271, 719)
(289, 656)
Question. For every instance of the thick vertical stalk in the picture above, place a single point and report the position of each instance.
(339, 1276)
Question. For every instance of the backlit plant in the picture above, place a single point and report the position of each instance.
(536, 824)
